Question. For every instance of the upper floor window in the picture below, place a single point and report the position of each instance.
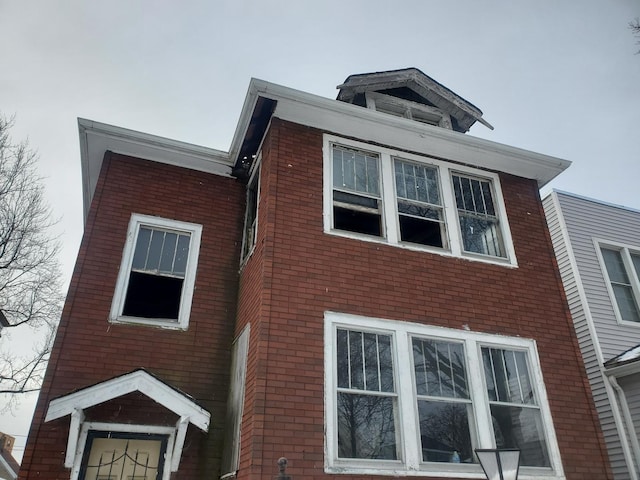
(405, 398)
(378, 194)
(157, 273)
(251, 213)
(622, 266)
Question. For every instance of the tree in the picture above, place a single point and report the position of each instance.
(30, 278)
(635, 28)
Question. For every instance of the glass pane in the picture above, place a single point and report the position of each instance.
(142, 246)
(488, 198)
(419, 210)
(373, 185)
(371, 362)
(417, 182)
(361, 173)
(626, 302)
(439, 369)
(182, 254)
(168, 252)
(386, 364)
(445, 432)
(155, 249)
(349, 170)
(615, 266)
(355, 354)
(342, 354)
(127, 458)
(366, 426)
(636, 264)
(481, 235)
(337, 168)
(520, 427)
(507, 376)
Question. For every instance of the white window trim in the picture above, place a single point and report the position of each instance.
(626, 250)
(138, 220)
(390, 225)
(126, 428)
(409, 463)
(255, 175)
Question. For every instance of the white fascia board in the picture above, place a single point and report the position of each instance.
(139, 381)
(96, 138)
(369, 125)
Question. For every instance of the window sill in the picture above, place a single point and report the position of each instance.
(167, 324)
(505, 262)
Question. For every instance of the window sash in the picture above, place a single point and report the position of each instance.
(621, 267)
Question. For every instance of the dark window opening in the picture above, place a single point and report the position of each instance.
(357, 221)
(424, 232)
(153, 296)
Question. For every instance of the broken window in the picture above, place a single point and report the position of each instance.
(477, 216)
(157, 273)
(420, 212)
(357, 204)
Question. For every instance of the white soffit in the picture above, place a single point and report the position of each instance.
(138, 380)
(97, 138)
(369, 125)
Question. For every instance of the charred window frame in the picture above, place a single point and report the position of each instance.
(251, 213)
(403, 398)
(157, 273)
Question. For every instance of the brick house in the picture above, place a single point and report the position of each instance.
(356, 285)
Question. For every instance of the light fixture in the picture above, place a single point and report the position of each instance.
(499, 464)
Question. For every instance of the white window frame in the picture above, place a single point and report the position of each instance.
(249, 238)
(119, 297)
(409, 461)
(390, 223)
(125, 428)
(625, 250)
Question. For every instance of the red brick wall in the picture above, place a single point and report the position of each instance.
(298, 272)
(89, 349)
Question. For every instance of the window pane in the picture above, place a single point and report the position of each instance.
(519, 427)
(372, 373)
(168, 252)
(357, 363)
(364, 361)
(417, 182)
(155, 249)
(481, 235)
(342, 353)
(626, 302)
(445, 432)
(386, 365)
(366, 426)
(142, 246)
(439, 369)
(373, 180)
(615, 266)
(507, 376)
(182, 254)
(636, 264)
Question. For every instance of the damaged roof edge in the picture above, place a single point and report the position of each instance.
(342, 118)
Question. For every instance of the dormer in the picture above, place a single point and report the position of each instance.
(411, 94)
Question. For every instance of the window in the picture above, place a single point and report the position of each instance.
(381, 195)
(357, 206)
(251, 213)
(622, 266)
(157, 273)
(122, 456)
(405, 399)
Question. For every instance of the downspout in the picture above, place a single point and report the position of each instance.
(630, 428)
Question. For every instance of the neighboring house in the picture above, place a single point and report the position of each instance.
(356, 285)
(8, 465)
(597, 246)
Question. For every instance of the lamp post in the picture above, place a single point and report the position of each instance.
(499, 464)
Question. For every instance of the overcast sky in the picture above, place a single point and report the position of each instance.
(556, 77)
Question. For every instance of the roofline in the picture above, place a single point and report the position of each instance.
(97, 138)
(369, 125)
(593, 200)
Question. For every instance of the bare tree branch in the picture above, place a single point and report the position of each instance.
(30, 286)
(635, 28)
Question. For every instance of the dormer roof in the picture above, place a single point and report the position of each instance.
(413, 87)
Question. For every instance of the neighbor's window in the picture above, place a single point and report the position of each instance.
(357, 204)
(623, 269)
(157, 274)
(123, 456)
(381, 195)
(405, 397)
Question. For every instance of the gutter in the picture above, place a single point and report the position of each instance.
(630, 429)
